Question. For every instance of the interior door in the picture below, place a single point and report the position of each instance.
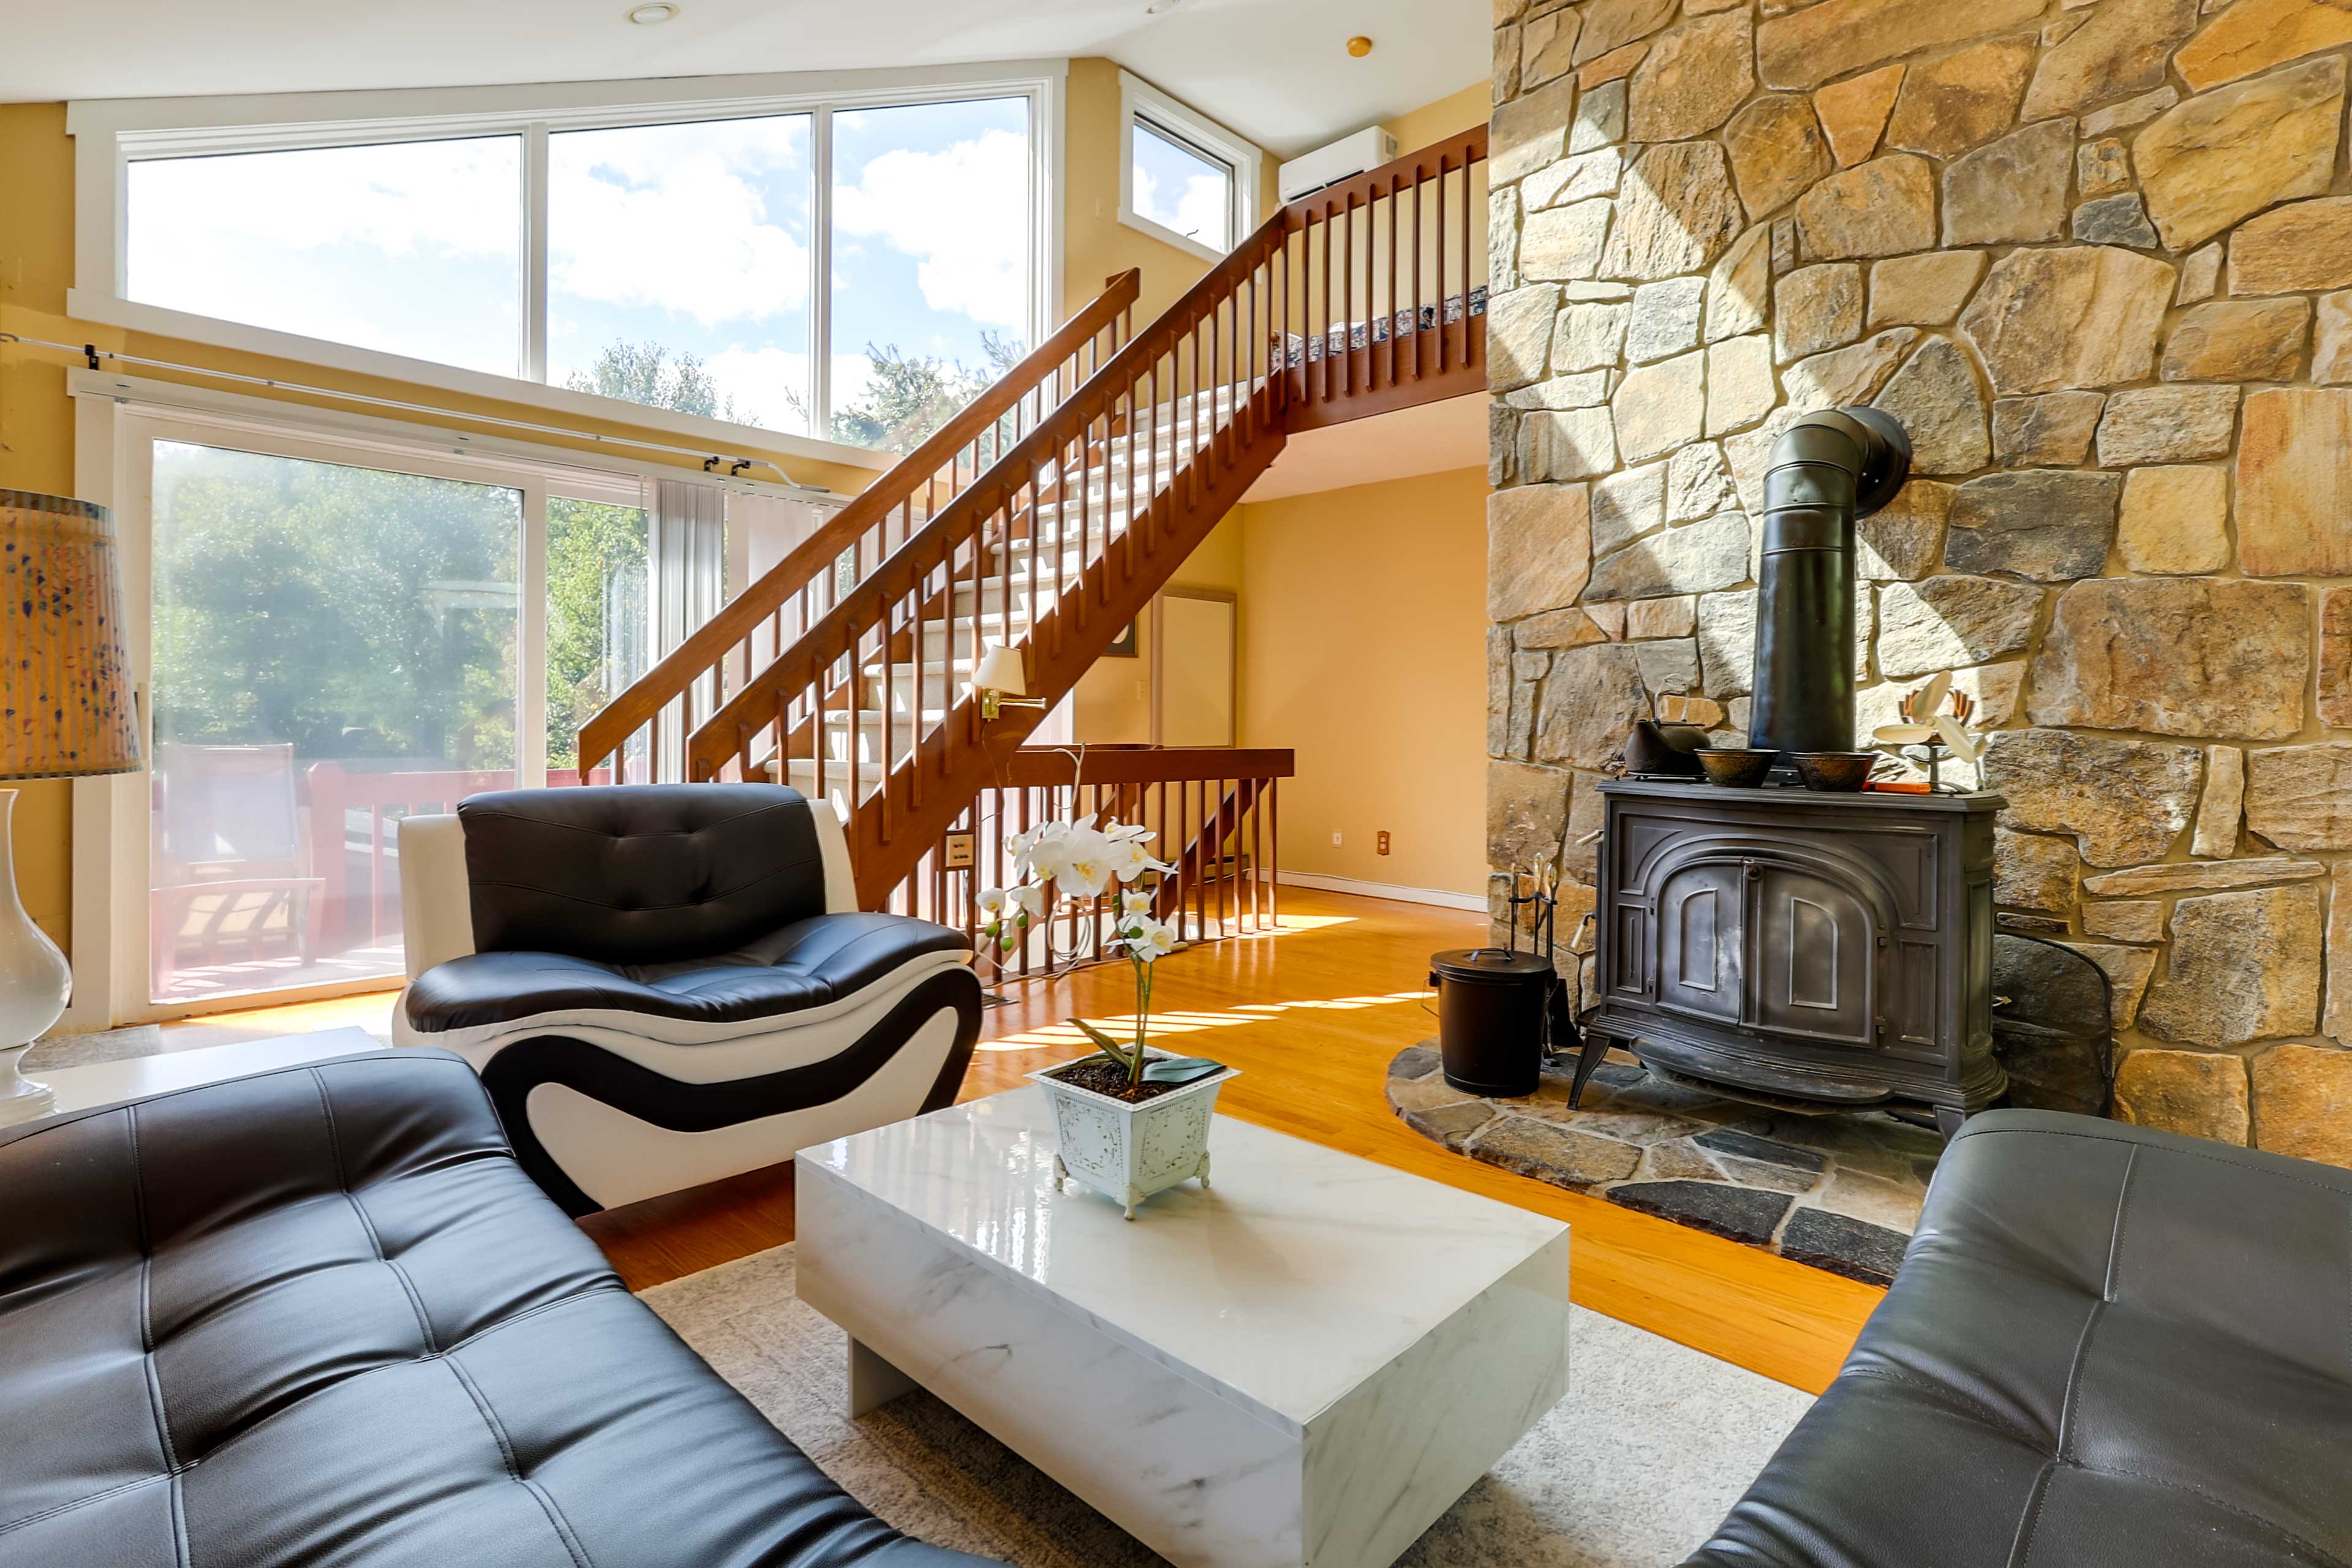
(1193, 666)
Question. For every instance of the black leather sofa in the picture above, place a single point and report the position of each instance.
(320, 1315)
(666, 984)
(2106, 1348)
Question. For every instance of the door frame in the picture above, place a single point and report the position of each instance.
(1159, 658)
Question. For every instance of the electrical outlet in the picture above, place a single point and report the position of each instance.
(1335, 841)
(1383, 848)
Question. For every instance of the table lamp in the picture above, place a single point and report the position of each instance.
(66, 711)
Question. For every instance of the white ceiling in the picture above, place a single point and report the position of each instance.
(1428, 438)
(1276, 70)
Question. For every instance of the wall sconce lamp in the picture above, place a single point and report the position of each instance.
(1002, 682)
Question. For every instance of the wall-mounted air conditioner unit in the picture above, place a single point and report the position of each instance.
(1349, 156)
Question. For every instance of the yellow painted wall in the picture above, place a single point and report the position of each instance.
(1363, 649)
(1455, 111)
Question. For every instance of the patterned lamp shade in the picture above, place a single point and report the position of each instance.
(65, 705)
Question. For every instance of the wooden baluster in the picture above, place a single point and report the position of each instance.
(1469, 280)
(1194, 821)
(1347, 293)
(1085, 513)
(1393, 187)
(1444, 357)
(1273, 850)
(1036, 536)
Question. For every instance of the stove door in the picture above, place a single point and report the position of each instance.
(1700, 953)
(1815, 958)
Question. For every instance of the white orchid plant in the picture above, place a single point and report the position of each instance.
(1067, 865)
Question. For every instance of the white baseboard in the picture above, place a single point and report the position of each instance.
(1403, 895)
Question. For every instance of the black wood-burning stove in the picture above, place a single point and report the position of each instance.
(1803, 949)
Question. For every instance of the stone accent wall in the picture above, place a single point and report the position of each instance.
(2098, 257)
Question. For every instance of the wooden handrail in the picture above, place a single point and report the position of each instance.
(1044, 767)
(708, 646)
(934, 544)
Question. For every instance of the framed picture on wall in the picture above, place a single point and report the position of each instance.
(1123, 645)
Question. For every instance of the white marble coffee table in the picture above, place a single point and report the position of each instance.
(1306, 1365)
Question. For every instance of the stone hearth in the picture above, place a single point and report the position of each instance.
(1840, 1192)
(2097, 256)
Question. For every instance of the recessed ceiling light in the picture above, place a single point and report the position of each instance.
(654, 15)
(1360, 46)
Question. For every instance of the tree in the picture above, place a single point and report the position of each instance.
(353, 612)
(644, 374)
(909, 398)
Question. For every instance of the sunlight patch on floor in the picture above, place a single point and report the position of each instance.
(1176, 1021)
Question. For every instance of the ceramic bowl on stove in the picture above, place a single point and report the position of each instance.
(1734, 767)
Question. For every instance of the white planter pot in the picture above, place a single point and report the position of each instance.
(1128, 1151)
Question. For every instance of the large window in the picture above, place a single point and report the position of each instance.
(850, 263)
(411, 248)
(931, 263)
(679, 266)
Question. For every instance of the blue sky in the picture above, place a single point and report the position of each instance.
(695, 237)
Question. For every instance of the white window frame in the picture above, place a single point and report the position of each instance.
(111, 133)
(1137, 98)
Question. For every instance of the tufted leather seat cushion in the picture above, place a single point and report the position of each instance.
(320, 1315)
(639, 874)
(807, 964)
(2107, 1348)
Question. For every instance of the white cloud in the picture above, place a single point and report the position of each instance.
(1200, 211)
(451, 198)
(269, 238)
(962, 213)
(678, 217)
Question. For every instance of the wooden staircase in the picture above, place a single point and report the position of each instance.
(1046, 516)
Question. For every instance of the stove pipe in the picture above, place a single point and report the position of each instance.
(1827, 470)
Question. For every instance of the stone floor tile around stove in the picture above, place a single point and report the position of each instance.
(1425, 1093)
(1743, 1213)
(1866, 1197)
(1842, 1244)
(1415, 1061)
(1550, 1152)
(1879, 1145)
(1749, 1146)
(1450, 1124)
(1679, 1158)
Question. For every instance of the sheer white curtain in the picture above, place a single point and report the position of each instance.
(689, 551)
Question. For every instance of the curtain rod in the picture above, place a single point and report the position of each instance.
(711, 462)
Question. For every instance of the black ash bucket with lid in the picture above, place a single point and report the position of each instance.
(1490, 1018)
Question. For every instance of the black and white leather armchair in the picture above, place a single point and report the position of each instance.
(664, 984)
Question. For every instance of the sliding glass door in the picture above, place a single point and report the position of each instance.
(339, 636)
(334, 647)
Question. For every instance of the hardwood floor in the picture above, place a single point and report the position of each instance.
(1311, 1014)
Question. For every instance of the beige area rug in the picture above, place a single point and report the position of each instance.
(1632, 1470)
